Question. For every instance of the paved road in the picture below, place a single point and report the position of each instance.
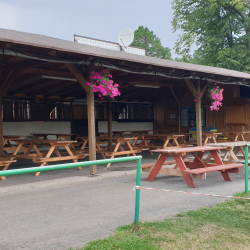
(68, 212)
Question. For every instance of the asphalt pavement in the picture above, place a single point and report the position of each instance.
(67, 208)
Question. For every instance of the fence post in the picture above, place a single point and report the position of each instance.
(246, 169)
(137, 190)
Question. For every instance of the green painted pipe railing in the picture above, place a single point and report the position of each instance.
(246, 168)
(86, 164)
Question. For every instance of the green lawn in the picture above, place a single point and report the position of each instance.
(225, 226)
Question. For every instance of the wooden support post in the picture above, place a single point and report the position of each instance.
(91, 129)
(1, 124)
(91, 113)
(197, 106)
(179, 109)
(198, 119)
(110, 122)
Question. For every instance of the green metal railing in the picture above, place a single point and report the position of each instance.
(246, 168)
(86, 164)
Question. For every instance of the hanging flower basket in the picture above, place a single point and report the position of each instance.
(216, 95)
(101, 82)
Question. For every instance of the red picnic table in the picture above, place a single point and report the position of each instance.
(196, 166)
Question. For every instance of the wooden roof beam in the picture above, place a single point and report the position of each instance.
(36, 88)
(48, 72)
(77, 74)
(191, 87)
(20, 86)
(25, 65)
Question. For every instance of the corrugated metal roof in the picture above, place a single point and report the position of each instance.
(42, 41)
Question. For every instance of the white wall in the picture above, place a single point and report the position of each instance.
(124, 126)
(28, 128)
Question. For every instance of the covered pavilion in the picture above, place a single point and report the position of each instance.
(45, 69)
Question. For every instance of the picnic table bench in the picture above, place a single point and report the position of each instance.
(195, 167)
(58, 136)
(231, 154)
(8, 142)
(166, 138)
(5, 162)
(123, 146)
(43, 157)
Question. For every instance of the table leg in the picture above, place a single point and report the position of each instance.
(213, 137)
(206, 139)
(71, 154)
(144, 142)
(130, 147)
(218, 161)
(157, 167)
(6, 166)
(99, 148)
(115, 150)
(84, 144)
(47, 156)
(183, 158)
(176, 142)
(187, 177)
(236, 138)
(166, 143)
(19, 146)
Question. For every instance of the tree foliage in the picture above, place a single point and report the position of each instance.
(146, 38)
(219, 28)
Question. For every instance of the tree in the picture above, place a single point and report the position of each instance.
(147, 39)
(219, 28)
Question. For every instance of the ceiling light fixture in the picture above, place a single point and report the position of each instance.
(59, 78)
(146, 86)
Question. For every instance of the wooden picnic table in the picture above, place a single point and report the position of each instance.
(43, 157)
(207, 137)
(123, 146)
(197, 167)
(239, 136)
(164, 137)
(235, 152)
(8, 142)
(58, 136)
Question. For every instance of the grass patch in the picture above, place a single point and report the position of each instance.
(225, 226)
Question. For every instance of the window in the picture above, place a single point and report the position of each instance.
(123, 112)
(188, 116)
(16, 110)
(134, 112)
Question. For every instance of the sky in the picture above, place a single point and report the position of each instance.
(97, 19)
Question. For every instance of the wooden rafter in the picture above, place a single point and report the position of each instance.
(77, 74)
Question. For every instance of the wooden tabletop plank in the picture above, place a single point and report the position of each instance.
(44, 141)
(229, 144)
(188, 149)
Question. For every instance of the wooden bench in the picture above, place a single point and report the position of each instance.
(108, 153)
(170, 171)
(232, 168)
(5, 163)
(53, 159)
(150, 165)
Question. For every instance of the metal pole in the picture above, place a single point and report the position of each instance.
(137, 195)
(246, 169)
(67, 165)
